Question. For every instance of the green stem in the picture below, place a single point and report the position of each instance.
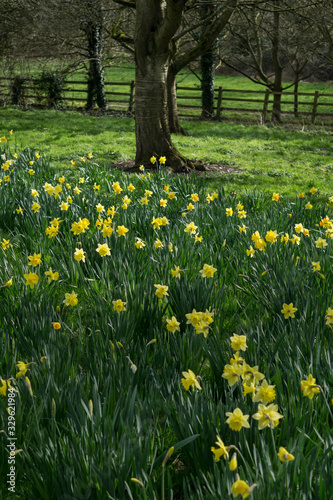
(163, 494)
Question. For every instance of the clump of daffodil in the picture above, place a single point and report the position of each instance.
(200, 321)
(259, 242)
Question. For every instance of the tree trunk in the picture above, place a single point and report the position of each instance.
(152, 37)
(174, 125)
(296, 96)
(96, 92)
(277, 86)
(208, 60)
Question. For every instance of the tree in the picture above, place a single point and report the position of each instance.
(159, 56)
(207, 63)
(71, 30)
(268, 37)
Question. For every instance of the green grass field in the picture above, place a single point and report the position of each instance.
(147, 313)
(285, 160)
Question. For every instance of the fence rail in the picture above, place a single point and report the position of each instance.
(313, 105)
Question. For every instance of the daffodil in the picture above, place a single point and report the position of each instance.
(190, 228)
(34, 259)
(264, 393)
(221, 451)
(119, 305)
(232, 373)
(271, 236)
(309, 387)
(241, 487)
(5, 244)
(321, 242)
(316, 266)
(139, 243)
(4, 385)
(122, 230)
(190, 380)
(329, 316)
(233, 462)
(207, 271)
(79, 254)
(252, 374)
(238, 342)
(31, 279)
(161, 291)
(284, 455)
(288, 310)
(250, 252)
(172, 324)
(175, 272)
(35, 207)
(51, 276)
(267, 416)
(103, 249)
(237, 420)
(70, 299)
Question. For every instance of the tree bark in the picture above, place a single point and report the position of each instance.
(154, 30)
(208, 60)
(96, 91)
(174, 124)
(277, 86)
(207, 63)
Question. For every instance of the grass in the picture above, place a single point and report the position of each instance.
(285, 160)
(104, 400)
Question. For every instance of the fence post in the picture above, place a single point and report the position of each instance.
(131, 99)
(73, 90)
(219, 103)
(265, 107)
(314, 107)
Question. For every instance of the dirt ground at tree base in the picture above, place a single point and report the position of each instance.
(202, 168)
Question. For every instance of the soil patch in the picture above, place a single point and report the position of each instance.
(202, 168)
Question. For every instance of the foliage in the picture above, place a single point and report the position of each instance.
(106, 401)
(51, 84)
(17, 90)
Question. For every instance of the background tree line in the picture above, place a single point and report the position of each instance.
(267, 41)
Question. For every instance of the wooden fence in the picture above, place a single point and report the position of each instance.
(228, 102)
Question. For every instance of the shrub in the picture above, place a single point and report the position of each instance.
(51, 84)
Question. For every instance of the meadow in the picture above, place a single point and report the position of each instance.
(165, 337)
(286, 159)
